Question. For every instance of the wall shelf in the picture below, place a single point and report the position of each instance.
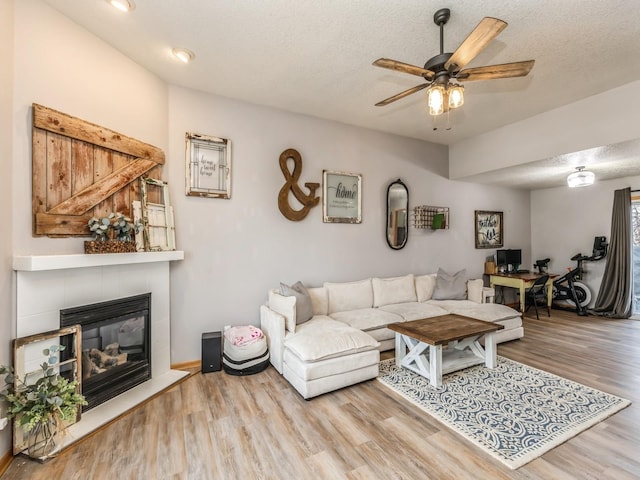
(434, 218)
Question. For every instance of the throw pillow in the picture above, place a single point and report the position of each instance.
(304, 311)
(450, 287)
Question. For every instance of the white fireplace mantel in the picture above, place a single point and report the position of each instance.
(38, 263)
(46, 284)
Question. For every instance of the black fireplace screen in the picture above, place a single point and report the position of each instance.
(116, 347)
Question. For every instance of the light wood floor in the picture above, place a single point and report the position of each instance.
(216, 426)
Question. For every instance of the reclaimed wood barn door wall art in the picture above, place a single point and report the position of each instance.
(82, 170)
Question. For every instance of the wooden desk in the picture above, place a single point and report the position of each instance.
(522, 281)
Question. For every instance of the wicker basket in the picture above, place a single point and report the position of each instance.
(109, 246)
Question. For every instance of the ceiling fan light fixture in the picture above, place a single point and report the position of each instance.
(580, 178)
(436, 97)
(456, 95)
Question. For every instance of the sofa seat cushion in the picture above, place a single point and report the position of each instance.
(414, 310)
(382, 334)
(331, 366)
(489, 312)
(366, 319)
(510, 323)
(449, 305)
(322, 338)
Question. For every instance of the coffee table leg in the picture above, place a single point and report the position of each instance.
(401, 349)
(435, 365)
(490, 350)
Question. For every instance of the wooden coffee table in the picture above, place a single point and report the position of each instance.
(461, 336)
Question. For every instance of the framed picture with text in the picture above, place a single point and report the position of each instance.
(489, 229)
(208, 164)
(341, 197)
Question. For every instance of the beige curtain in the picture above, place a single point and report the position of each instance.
(614, 297)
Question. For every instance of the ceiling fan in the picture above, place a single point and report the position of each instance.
(440, 70)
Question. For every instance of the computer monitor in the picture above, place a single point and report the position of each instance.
(508, 257)
(514, 258)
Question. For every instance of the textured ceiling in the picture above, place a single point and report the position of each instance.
(314, 57)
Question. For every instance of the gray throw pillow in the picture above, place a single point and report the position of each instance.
(450, 287)
(304, 311)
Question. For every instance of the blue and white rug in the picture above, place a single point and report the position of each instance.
(513, 412)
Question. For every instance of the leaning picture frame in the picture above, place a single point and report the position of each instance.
(341, 197)
(208, 166)
(489, 229)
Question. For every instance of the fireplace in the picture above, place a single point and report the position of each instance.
(116, 347)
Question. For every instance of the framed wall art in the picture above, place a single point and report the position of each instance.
(341, 197)
(208, 164)
(489, 229)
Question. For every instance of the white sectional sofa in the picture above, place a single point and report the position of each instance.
(340, 345)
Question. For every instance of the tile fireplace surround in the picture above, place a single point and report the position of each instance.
(45, 284)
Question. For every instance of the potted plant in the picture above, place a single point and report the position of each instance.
(111, 234)
(41, 406)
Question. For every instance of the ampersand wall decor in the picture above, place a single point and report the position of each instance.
(307, 201)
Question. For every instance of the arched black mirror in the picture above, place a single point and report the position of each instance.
(397, 214)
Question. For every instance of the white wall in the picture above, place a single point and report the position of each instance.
(236, 249)
(62, 66)
(603, 119)
(7, 330)
(239, 248)
(564, 222)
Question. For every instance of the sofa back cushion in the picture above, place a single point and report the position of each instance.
(475, 289)
(349, 295)
(425, 284)
(388, 291)
(285, 306)
(450, 286)
(319, 300)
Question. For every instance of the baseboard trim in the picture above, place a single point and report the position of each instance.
(197, 364)
(5, 461)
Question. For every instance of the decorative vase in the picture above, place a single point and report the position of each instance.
(109, 246)
(42, 439)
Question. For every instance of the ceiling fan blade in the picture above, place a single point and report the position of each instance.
(505, 70)
(478, 39)
(402, 95)
(404, 67)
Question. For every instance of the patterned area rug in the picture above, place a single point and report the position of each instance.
(514, 412)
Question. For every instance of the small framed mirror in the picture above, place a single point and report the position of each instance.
(397, 214)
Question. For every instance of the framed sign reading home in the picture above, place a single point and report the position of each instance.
(489, 229)
(342, 197)
(208, 161)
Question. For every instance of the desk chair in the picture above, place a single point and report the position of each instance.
(534, 292)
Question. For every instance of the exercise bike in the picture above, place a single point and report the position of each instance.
(568, 289)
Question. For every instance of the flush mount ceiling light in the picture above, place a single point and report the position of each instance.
(182, 54)
(581, 178)
(123, 5)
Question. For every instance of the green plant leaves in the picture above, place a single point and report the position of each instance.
(50, 396)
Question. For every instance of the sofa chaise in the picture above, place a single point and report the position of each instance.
(340, 344)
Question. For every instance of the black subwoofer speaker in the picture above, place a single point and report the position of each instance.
(211, 352)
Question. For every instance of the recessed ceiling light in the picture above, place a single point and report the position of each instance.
(183, 54)
(123, 5)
